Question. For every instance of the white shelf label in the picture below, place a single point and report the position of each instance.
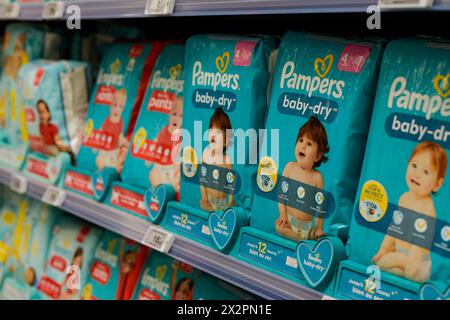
(53, 10)
(158, 239)
(11, 10)
(18, 184)
(325, 297)
(405, 4)
(54, 196)
(159, 7)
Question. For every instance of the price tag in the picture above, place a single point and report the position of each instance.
(325, 297)
(54, 196)
(158, 239)
(53, 10)
(159, 7)
(18, 184)
(11, 10)
(405, 4)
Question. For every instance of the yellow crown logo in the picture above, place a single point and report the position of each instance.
(175, 71)
(223, 61)
(323, 66)
(442, 85)
(161, 272)
(115, 66)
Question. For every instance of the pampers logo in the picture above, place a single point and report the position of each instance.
(172, 83)
(213, 98)
(420, 127)
(112, 78)
(309, 103)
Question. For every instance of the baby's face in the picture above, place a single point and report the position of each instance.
(176, 116)
(421, 175)
(117, 106)
(78, 261)
(184, 292)
(307, 152)
(44, 115)
(216, 139)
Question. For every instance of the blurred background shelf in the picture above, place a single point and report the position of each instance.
(241, 274)
(112, 9)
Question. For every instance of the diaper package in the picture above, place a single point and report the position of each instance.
(13, 210)
(22, 43)
(29, 250)
(55, 97)
(72, 247)
(224, 107)
(112, 112)
(152, 158)
(317, 125)
(400, 228)
(164, 278)
(115, 269)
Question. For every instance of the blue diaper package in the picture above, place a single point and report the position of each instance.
(152, 162)
(310, 161)
(14, 209)
(399, 235)
(115, 268)
(22, 43)
(72, 247)
(164, 278)
(225, 99)
(111, 115)
(54, 100)
(29, 251)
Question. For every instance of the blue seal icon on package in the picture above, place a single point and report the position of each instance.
(156, 199)
(430, 292)
(224, 226)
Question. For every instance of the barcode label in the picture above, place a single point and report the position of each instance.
(53, 10)
(54, 196)
(11, 11)
(405, 4)
(159, 7)
(18, 184)
(158, 239)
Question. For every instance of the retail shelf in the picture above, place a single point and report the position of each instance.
(241, 274)
(105, 9)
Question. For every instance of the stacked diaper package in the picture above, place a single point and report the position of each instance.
(111, 115)
(115, 268)
(399, 236)
(13, 208)
(152, 165)
(30, 245)
(71, 250)
(22, 43)
(224, 107)
(310, 161)
(54, 100)
(164, 278)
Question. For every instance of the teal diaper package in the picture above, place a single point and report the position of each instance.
(54, 100)
(72, 247)
(151, 173)
(164, 278)
(13, 210)
(399, 235)
(310, 161)
(22, 43)
(111, 115)
(225, 101)
(115, 268)
(29, 251)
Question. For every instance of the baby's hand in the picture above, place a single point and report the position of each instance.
(283, 221)
(204, 204)
(377, 257)
(316, 233)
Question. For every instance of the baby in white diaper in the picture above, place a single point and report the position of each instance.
(170, 135)
(425, 175)
(215, 154)
(310, 151)
(113, 126)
